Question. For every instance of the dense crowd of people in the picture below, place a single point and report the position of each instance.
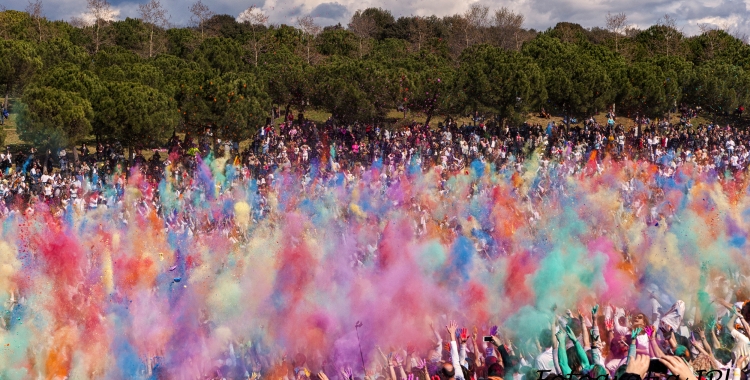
(709, 341)
(614, 344)
(83, 179)
(91, 178)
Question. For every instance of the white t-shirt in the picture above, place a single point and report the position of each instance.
(545, 361)
(740, 340)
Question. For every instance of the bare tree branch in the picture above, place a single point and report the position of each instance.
(477, 18)
(201, 14)
(363, 27)
(256, 19)
(310, 29)
(617, 24)
(35, 10)
(154, 15)
(508, 25)
(101, 11)
(420, 30)
(671, 33)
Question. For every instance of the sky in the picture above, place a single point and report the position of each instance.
(731, 15)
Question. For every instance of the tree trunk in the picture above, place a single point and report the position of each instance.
(75, 155)
(151, 43)
(429, 116)
(96, 38)
(46, 159)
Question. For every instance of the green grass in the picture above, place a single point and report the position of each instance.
(11, 137)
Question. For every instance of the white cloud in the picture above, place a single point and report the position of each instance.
(89, 19)
(540, 14)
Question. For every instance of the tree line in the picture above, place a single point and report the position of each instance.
(139, 80)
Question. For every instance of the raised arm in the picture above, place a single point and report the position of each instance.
(562, 356)
(633, 342)
(464, 335)
(400, 364)
(555, 343)
(579, 349)
(382, 356)
(596, 341)
(653, 345)
(619, 328)
(716, 344)
(439, 343)
(452, 326)
(704, 341)
(585, 332)
(477, 357)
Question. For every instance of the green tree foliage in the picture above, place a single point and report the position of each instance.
(50, 117)
(234, 103)
(354, 90)
(720, 87)
(19, 60)
(135, 114)
(141, 79)
(576, 82)
(221, 54)
(384, 22)
(129, 34)
(16, 25)
(426, 84)
(61, 51)
(338, 42)
(182, 42)
(504, 83)
(289, 84)
(647, 90)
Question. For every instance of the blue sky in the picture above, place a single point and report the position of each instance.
(733, 15)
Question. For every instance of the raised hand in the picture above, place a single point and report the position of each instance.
(639, 365)
(560, 334)
(678, 367)
(569, 332)
(348, 373)
(399, 360)
(594, 310)
(742, 362)
(711, 324)
(451, 327)
(322, 376)
(635, 332)
(464, 335)
(421, 363)
(649, 331)
(493, 330)
(609, 324)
